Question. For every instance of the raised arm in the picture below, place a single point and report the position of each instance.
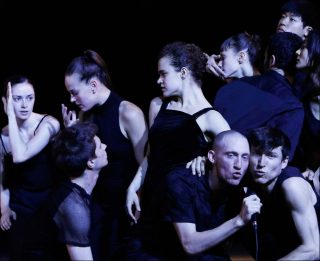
(301, 199)
(21, 149)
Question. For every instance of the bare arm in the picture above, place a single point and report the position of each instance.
(195, 242)
(6, 212)
(22, 149)
(133, 123)
(135, 185)
(215, 123)
(301, 198)
(79, 253)
(154, 109)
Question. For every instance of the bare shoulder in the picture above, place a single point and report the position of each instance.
(214, 114)
(298, 191)
(50, 122)
(5, 132)
(5, 139)
(129, 111)
(155, 104)
(157, 101)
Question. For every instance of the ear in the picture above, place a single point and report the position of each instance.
(284, 163)
(211, 156)
(90, 163)
(307, 30)
(93, 85)
(184, 72)
(242, 57)
(272, 61)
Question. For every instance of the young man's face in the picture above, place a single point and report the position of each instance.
(292, 23)
(266, 167)
(231, 159)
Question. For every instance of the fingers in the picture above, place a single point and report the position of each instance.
(4, 101)
(251, 205)
(308, 174)
(69, 118)
(5, 222)
(9, 89)
(14, 215)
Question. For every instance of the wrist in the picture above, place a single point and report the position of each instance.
(239, 222)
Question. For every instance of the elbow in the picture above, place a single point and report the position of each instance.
(189, 247)
(18, 159)
(312, 252)
(316, 253)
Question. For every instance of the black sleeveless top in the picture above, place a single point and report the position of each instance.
(175, 138)
(122, 165)
(277, 229)
(29, 179)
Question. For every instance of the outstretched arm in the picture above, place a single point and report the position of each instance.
(195, 242)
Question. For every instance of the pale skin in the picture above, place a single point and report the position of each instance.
(230, 159)
(230, 64)
(86, 95)
(290, 22)
(189, 98)
(22, 122)
(300, 198)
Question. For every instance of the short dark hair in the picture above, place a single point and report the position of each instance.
(284, 46)
(264, 139)
(73, 147)
(303, 8)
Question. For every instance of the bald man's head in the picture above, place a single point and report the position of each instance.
(230, 156)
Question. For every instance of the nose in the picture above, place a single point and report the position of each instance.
(298, 52)
(262, 160)
(238, 163)
(23, 104)
(159, 80)
(72, 98)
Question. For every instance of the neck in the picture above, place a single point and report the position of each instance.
(104, 94)
(215, 183)
(280, 71)
(87, 181)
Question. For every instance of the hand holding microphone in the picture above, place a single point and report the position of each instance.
(251, 206)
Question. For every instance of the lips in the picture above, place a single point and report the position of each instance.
(259, 173)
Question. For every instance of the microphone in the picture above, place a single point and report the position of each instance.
(254, 217)
(254, 222)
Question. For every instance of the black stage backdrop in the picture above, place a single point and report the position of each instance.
(39, 39)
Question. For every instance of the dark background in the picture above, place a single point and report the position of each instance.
(39, 38)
